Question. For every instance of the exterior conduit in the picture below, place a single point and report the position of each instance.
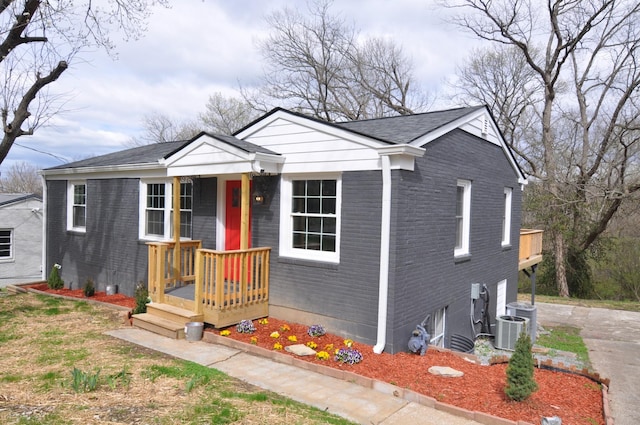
(385, 234)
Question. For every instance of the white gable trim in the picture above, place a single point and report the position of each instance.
(480, 124)
(207, 155)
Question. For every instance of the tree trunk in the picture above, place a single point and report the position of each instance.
(561, 275)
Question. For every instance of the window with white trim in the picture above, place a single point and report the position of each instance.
(156, 210)
(77, 206)
(310, 218)
(506, 217)
(6, 244)
(438, 322)
(463, 217)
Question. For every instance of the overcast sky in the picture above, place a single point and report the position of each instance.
(199, 47)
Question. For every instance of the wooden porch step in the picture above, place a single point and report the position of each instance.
(159, 325)
(174, 314)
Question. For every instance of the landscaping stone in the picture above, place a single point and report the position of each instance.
(445, 371)
(300, 350)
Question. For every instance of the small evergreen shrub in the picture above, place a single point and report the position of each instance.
(142, 298)
(55, 281)
(89, 288)
(520, 381)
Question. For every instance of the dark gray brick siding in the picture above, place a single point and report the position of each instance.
(425, 275)
(110, 251)
(347, 291)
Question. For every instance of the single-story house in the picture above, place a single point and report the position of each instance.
(366, 227)
(21, 226)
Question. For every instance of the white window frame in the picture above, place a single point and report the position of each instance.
(167, 228)
(438, 327)
(506, 218)
(463, 248)
(501, 298)
(286, 219)
(11, 247)
(71, 186)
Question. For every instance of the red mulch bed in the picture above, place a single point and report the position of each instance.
(117, 299)
(575, 399)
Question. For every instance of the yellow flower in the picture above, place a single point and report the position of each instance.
(348, 342)
(322, 355)
(275, 334)
(225, 332)
(328, 347)
(312, 345)
(277, 346)
(292, 338)
(263, 321)
(285, 328)
(254, 340)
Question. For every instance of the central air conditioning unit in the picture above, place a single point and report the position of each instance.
(508, 329)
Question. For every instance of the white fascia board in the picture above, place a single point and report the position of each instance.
(106, 172)
(313, 125)
(464, 120)
(262, 162)
(402, 157)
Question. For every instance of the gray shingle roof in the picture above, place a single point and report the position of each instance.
(10, 198)
(140, 155)
(242, 145)
(406, 128)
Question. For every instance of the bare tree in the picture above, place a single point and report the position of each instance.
(585, 58)
(160, 128)
(39, 40)
(225, 114)
(22, 177)
(318, 65)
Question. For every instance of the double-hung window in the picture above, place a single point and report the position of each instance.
(310, 218)
(6, 244)
(506, 217)
(156, 210)
(463, 217)
(77, 206)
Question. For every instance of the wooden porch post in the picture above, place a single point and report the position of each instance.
(176, 229)
(244, 212)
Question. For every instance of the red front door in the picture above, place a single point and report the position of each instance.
(233, 216)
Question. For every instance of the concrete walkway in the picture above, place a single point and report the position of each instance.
(613, 340)
(349, 400)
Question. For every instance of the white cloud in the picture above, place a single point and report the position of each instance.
(199, 47)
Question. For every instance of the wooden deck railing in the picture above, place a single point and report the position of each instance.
(530, 248)
(161, 267)
(232, 279)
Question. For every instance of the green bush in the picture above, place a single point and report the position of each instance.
(89, 288)
(55, 281)
(520, 381)
(142, 298)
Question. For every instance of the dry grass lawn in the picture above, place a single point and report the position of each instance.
(58, 367)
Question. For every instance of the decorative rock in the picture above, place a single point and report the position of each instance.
(445, 371)
(300, 350)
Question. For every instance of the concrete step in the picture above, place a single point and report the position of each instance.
(159, 325)
(174, 314)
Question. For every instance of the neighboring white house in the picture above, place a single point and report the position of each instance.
(21, 222)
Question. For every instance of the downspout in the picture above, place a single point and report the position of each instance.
(43, 259)
(385, 234)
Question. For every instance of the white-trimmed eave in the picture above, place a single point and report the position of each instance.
(402, 157)
(460, 122)
(147, 170)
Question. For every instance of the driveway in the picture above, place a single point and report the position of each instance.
(613, 340)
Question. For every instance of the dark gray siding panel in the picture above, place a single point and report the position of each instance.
(110, 251)
(425, 275)
(347, 291)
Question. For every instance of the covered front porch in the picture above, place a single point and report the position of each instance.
(220, 286)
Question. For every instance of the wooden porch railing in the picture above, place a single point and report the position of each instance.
(228, 285)
(232, 279)
(530, 248)
(161, 267)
